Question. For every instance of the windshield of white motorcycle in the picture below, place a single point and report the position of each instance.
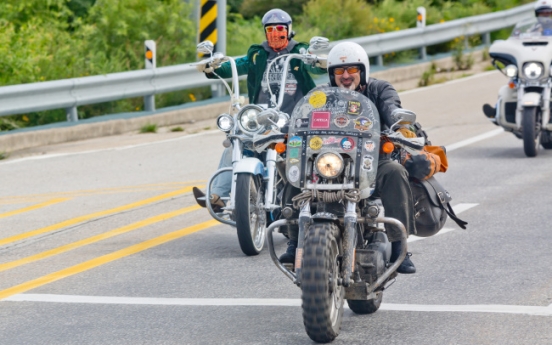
(344, 122)
(532, 28)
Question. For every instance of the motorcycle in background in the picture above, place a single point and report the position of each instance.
(523, 106)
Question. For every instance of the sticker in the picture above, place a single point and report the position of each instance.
(320, 120)
(317, 99)
(316, 143)
(369, 146)
(293, 153)
(314, 178)
(295, 141)
(293, 173)
(291, 88)
(367, 163)
(347, 144)
(341, 121)
(330, 140)
(363, 124)
(301, 123)
(353, 108)
(293, 161)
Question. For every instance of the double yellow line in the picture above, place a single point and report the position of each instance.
(106, 258)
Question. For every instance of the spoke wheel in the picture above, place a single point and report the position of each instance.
(531, 126)
(250, 214)
(322, 296)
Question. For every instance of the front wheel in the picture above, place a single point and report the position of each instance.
(322, 296)
(531, 130)
(250, 215)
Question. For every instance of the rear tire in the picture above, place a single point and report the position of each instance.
(249, 214)
(321, 295)
(531, 130)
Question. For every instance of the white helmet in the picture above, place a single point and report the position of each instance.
(540, 6)
(349, 53)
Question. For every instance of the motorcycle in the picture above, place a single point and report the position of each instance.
(343, 253)
(523, 106)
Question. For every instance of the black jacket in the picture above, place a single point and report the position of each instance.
(385, 97)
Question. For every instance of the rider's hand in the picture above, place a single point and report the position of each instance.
(322, 63)
(204, 67)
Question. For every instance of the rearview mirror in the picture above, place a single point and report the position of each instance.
(205, 47)
(403, 116)
(318, 42)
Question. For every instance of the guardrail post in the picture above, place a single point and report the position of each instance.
(487, 39)
(421, 23)
(151, 61)
(72, 115)
(379, 60)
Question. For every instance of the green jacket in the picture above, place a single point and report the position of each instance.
(254, 65)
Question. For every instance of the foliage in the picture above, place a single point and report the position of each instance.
(149, 128)
(252, 8)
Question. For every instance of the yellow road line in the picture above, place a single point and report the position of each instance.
(81, 219)
(97, 238)
(34, 207)
(9, 200)
(87, 265)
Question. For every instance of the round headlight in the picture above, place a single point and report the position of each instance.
(225, 122)
(511, 71)
(247, 118)
(533, 70)
(329, 165)
(283, 119)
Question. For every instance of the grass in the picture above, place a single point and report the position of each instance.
(177, 129)
(149, 128)
(207, 128)
(4, 155)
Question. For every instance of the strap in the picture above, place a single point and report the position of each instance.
(453, 216)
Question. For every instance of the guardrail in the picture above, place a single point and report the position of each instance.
(70, 93)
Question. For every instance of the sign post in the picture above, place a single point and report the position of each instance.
(421, 23)
(150, 55)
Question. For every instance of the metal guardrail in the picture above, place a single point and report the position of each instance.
(71, 93)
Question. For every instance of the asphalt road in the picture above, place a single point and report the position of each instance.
(104, 245)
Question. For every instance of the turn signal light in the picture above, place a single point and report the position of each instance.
(387, 147)
(280, 148)
(511, 85)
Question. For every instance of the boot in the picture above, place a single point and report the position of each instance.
(489, 111)
(289, 256)
(407, 266)
(216, 202)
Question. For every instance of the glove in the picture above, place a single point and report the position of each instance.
(204, 68)
(406, 132)
(322, 63)
(422, 166)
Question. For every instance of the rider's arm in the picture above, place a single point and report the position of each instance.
(225, 70)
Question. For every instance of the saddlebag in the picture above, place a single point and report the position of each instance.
(431, 207)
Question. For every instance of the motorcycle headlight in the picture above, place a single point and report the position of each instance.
(283, 119)
(329, 165)
(511, 71)
(247, 118)
(225, 122)
(533, 70)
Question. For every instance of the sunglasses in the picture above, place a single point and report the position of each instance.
(279, 28)
(350, 70)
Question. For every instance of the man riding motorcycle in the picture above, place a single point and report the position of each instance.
(348, 68)
(279, 41)
(543, 12)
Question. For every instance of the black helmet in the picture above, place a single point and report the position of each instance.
(278, 16)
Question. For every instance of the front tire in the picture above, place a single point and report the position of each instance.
(531, 127)
(321, 295)
(250, 215)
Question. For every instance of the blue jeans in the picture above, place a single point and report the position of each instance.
(222, 184)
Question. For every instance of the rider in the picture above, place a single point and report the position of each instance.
(543, 12)
(348, 67)
(279, 41)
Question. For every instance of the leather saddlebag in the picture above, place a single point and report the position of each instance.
(431, 207)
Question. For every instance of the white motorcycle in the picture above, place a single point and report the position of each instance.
(523, 105)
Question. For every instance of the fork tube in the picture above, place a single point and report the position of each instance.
(236, 157)
(271, 170)
(349, 242)
(304, 219)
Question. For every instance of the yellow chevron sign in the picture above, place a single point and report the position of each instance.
(208, 21)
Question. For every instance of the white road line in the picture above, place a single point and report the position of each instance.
(475, 139)
(455, 81)
(457, 209)
(271, 302)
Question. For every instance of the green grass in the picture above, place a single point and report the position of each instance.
(4, 155)
(149, 128)
(177, 129)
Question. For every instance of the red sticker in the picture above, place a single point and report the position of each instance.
(320, 120)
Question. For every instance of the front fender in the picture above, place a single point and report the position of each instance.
(250, 165)
(531, 99)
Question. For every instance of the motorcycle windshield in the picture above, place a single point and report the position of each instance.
(533, 28)
(333, 120)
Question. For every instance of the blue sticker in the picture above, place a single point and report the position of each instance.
(295, 141)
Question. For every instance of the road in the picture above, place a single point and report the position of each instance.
(103, 244)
